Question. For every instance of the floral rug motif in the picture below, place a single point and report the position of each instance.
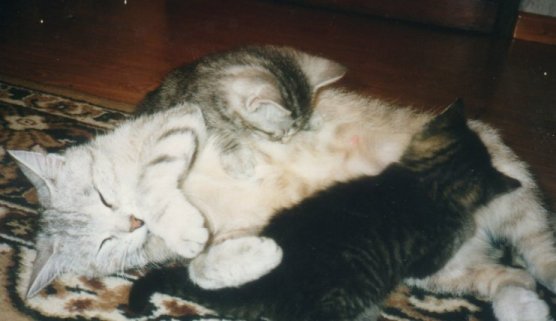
(33, 120)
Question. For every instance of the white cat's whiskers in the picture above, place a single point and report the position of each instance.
(123, 261)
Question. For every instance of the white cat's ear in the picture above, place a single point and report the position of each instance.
(45, 269)
(40, 169)
(320, 71)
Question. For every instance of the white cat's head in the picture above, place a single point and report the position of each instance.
(88, 224)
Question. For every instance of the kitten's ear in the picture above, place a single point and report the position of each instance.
(268, 116)
(266, 108)
(40, 169)
(320, 71)
(502, 184)
(452, 117)
(45, 269)
(456, 109)
(254, 95)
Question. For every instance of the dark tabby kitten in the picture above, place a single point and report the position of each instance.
(348, 246)
(257, 89)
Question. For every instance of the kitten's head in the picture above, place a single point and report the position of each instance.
(454, 163)
(84, 228)
(272, 88)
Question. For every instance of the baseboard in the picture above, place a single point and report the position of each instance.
(537, 28)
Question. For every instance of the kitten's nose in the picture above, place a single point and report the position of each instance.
(135, 223)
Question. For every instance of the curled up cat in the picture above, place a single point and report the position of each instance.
(346, 247)
(116, 202)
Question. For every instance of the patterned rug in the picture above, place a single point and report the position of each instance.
(33, 120)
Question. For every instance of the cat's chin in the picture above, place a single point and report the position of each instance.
(148, 249)
(156, 250)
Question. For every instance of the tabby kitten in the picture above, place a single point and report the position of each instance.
(115, 202)
(263, 89)
(347, 247)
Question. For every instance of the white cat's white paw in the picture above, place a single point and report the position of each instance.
(183, 230)
(518, 304)
(188, 243)
(235, 262)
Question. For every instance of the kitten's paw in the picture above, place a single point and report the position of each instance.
(518, 304)
(546, 273)
(235, 262)
(183, 230)
(239, 163)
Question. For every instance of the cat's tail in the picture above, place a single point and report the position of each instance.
(176, 281)
(154, 281)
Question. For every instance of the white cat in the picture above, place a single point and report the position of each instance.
(99, 198)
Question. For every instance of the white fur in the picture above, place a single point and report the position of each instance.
(518, 304)
(77, 219)
(225, 265)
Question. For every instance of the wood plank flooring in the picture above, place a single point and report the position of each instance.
(117, 51)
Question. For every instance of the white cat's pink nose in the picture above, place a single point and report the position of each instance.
(134, 223)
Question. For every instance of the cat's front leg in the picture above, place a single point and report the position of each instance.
(235, 262)
(513, 303)
(473, 271)
(168, 214)
(531, 234)
(181, 226)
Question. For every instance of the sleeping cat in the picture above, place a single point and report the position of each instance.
(116, 203)
(346, 247)
(262, 89)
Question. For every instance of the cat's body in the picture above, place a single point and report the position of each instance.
(257, 89)
(347, 247)
(110, 203)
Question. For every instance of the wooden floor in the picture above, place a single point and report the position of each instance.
(114, 52)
